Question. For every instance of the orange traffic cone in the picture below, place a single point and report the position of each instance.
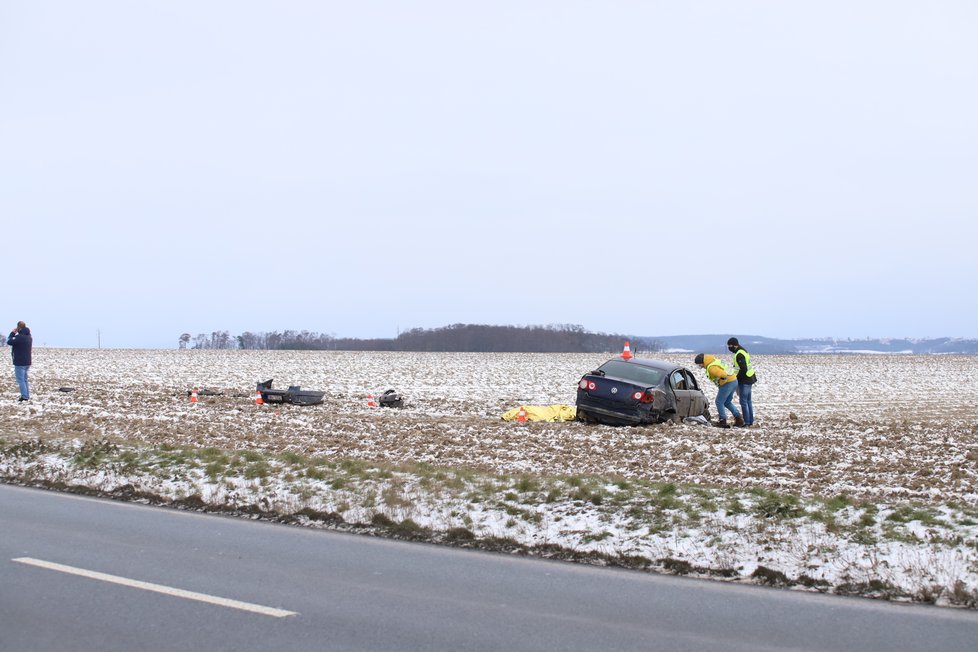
(193, 396)
(258, 399)
(370, 401)
(521, 415)
(627, 353)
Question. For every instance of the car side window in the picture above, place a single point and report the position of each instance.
(678, 380)
(690, 381)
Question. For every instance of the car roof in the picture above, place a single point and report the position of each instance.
(646, 362)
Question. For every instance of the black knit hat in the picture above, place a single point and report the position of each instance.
(698, 359)
(733, 342)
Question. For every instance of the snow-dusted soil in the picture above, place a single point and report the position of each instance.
(886, 429)
(882, 427)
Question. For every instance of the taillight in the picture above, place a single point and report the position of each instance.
(583, 383)
(587, 384)
(638, 396)
(647, 396)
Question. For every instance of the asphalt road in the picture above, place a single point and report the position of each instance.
(86, 574)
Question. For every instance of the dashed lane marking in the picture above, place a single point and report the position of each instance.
(157, 588)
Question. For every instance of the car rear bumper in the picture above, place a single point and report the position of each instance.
(617, 416)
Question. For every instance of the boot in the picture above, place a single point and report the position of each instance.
(722, 423)
(739, 422)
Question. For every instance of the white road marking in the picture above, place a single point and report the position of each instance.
(158, 588)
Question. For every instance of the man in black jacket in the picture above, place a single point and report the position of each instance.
(21, 342)
(745, 379)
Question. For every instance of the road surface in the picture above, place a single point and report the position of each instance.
(79, 573)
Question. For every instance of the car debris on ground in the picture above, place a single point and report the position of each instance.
(391, 399)
(204, 392)
(294, 395)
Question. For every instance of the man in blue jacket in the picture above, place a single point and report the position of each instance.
(21, 342)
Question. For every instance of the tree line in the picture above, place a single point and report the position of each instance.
(476, 338)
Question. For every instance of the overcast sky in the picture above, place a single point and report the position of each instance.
(788, 169)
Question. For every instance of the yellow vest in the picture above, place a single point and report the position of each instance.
(717, 363)
(750, 369)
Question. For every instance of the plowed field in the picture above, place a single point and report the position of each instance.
(877, 427)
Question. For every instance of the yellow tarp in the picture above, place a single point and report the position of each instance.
(543, 413)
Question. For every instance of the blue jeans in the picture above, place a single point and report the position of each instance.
(746, 404)
(20, 373)
(725, 400)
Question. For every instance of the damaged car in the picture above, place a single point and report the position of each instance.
(637, 391)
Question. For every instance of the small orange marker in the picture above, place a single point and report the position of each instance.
(627, 353)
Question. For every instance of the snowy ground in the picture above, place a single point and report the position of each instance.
(861, 477)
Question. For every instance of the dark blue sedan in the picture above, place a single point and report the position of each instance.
(630, 392)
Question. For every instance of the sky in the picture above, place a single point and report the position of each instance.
(786, 169)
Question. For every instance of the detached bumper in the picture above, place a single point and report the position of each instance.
(293, 395)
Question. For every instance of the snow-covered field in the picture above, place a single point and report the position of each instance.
(897, 432)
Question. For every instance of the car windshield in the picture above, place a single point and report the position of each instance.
(636, 373)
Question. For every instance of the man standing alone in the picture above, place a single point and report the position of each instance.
(745, 379)
(21, 342)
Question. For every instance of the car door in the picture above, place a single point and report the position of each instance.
(679, 383)
(697, 399)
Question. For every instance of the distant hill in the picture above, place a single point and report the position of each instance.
(475, 338)
(773, 346)
(569, 338)
(482, 338)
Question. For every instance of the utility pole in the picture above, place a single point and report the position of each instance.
(98, 334)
